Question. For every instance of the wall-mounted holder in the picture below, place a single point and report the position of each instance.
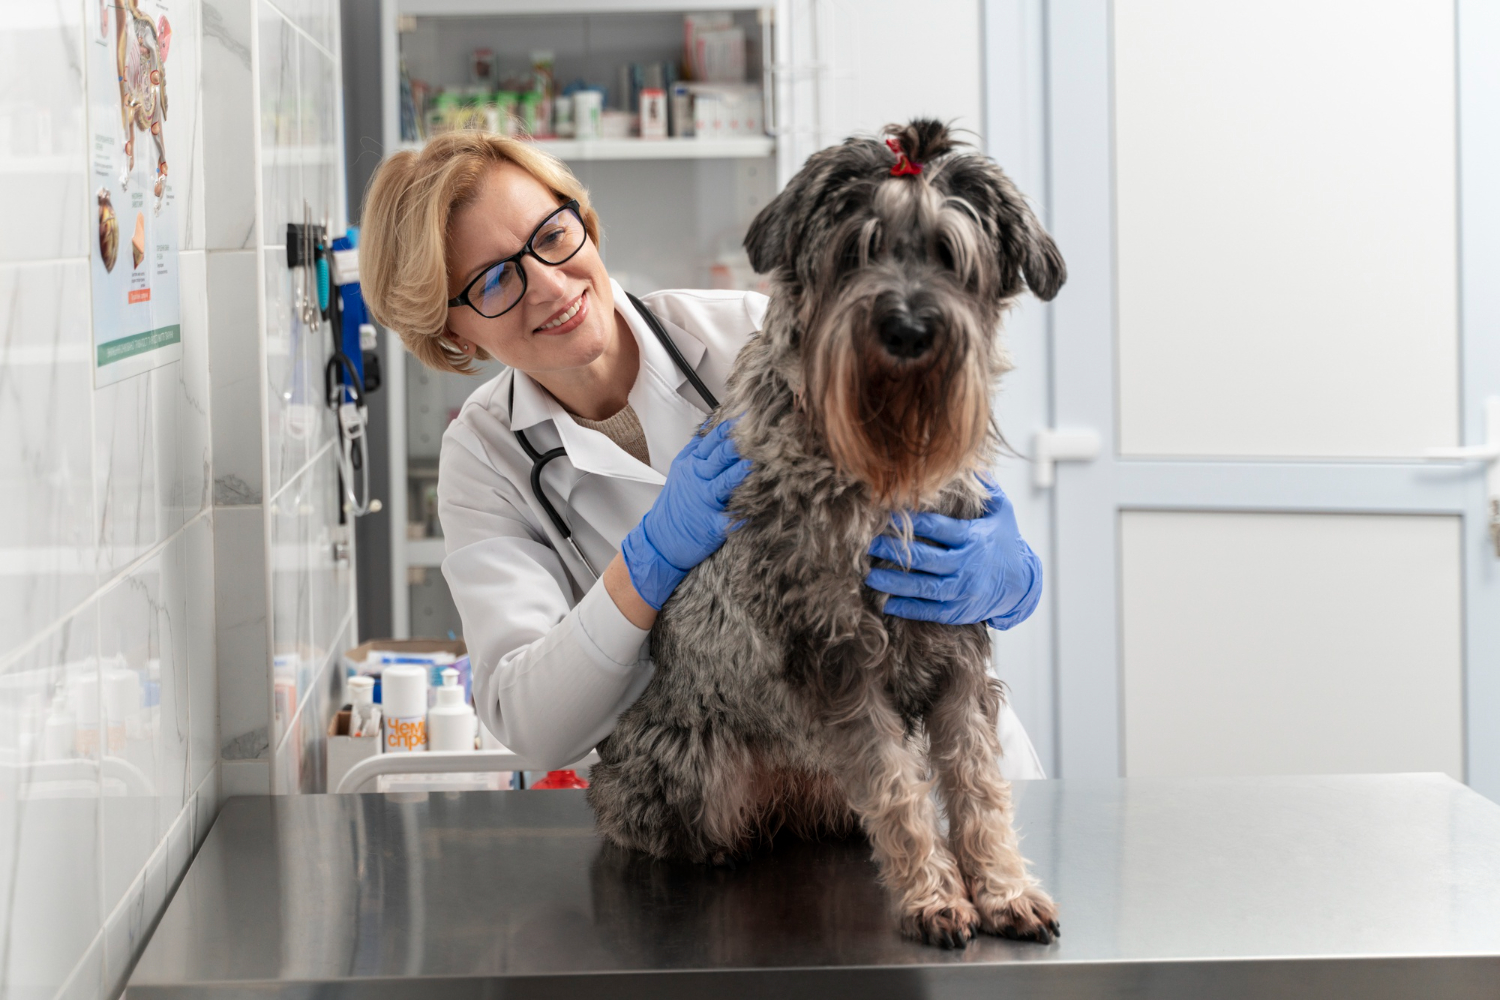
(1488, 452)
(1053, 446)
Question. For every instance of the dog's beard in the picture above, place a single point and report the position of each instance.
(905, 430)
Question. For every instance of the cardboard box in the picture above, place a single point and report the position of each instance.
(343, 752)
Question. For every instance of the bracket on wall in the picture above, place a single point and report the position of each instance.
(1052, 446)
(1489, 452)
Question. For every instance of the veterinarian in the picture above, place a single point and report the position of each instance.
(483, 247)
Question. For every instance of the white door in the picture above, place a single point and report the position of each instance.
(1282, 227)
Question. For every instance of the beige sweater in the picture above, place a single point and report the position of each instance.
(624, 429)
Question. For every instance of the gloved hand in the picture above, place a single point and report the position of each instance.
(687, 523)
(980, 570)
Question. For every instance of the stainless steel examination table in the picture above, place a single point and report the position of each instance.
(1354, 886)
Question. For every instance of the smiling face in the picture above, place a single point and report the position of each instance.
(566, 319)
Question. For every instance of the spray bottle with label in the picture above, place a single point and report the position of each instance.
(403, 697)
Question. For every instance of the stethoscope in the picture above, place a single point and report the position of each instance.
(539, 459)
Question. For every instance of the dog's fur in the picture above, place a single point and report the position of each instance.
(783, 697)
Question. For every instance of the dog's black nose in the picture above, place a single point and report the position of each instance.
(904, 336)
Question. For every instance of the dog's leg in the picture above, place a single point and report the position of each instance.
(885, 779)
(665, 790)
(964, 752)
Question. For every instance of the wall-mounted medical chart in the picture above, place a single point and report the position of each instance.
(133, 255)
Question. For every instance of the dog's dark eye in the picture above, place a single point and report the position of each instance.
(945, 254)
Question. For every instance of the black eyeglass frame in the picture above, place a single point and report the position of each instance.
(462, 298)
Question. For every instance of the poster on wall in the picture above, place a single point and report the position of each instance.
(133, 257)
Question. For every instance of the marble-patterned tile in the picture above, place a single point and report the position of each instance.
(206, 807)
(324, 701)
(298, 423)
(47, 544)
(151, 446)
(183, 130)
(229, 118)
(187, 386)
(197, 648)
(178, 844)
(318, 18)
(286, 764)
(50, 878)
(245, 777)
(280, 132)
(42, 125)
(121, 927)
(242, 641)
(144, 699)
(322, 141)
(87, 979)
(130, 513)
(330, 576)
(295, 656)
(324, 556)
(128, 927)
(234, 287)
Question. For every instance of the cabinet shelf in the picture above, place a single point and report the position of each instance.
(669, 222)
(582, 150)
(501, 8)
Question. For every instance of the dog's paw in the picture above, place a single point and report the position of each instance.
(947, 924)
(1031, 916)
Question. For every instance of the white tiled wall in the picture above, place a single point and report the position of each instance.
(166, 540)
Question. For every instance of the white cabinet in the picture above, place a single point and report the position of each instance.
(674, 211)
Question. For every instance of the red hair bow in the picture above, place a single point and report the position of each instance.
(904, 167)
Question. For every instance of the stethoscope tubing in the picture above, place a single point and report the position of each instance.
(539, 459)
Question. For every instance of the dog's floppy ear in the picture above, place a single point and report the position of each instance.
(769, 238)
(831, 177)
(1021, 241)
(1041, 262)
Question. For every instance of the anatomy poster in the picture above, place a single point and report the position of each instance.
(134, 251)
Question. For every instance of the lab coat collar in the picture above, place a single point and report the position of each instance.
(653, 354)
(666, 417)
(530, 403)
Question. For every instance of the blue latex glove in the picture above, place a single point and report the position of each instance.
(687, 523)
(979, 571)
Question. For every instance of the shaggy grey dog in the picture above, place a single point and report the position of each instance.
(783, 697)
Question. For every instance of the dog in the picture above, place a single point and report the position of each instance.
(783, 697)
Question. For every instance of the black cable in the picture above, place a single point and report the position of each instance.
(671, 346)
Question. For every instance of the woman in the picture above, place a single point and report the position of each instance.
(482, 246)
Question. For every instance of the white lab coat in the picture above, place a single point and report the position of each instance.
(554, 660)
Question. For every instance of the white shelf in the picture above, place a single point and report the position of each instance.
(442, 25)
(580, 150)
(451, 8)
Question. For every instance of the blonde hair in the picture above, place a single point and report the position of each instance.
(409, 206)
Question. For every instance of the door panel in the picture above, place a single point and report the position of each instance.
(1291, 643)
(1286, 235)
(1282, 230)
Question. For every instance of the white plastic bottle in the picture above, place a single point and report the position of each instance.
(450, 723)
(57, 735)
(122, 708)
(364, 717)
(403, 696)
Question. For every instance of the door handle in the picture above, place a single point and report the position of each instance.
(1488, 452)
(1051, 446)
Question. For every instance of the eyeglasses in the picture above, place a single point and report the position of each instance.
(501, 286)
